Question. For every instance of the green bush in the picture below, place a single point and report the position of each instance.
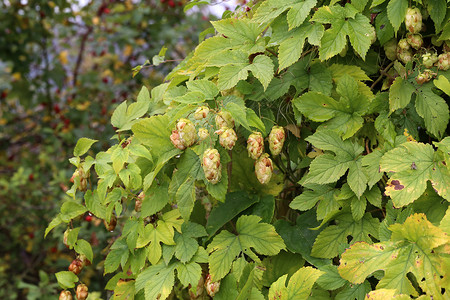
(320, 169)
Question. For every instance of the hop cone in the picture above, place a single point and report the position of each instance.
(201, 112)
(413, 20)
(443, 61)
(264, 168)
(211, 165)
(415, 40)
(255, 145)
(184, 134)
(224, 119)
(211, 287)
(82, 292)
(203, 134)
(65, 295)
(276, 139)
(227, 137)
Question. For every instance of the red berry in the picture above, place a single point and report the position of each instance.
(31, 235)
(106, 10)
(162, 1)
(88, 218)
(31, 177)
(4, 94)
(180, 3)
(105, 80)
(56, 108)
(171, 3)
(66, 122)
(53, 250)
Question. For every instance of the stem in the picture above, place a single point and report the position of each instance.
(382, 73)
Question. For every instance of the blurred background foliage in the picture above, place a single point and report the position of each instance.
(64, 66)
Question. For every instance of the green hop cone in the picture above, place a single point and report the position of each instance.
(211, 165)
(429, 59)
(443, 61)
(276, 139)
(415, 40)
(255, 145)
(65, 295)
(82, 292)
(224, 119)
(227, 137)
(203, 134)
(390, 48)
(201, 112)
(184, 135)
(403, 45)
(212, 287)
(264, 168)
(404, 55)
(413, 20)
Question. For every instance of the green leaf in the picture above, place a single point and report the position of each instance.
(437, 10)
(206, 87)
(326, 168)
(66, 279)
(71, 210)
(411, 249)
(413, 165)
(262, 68)
(334, 237)
(359, 30)
(317, 106)
(117, 256)
(190, 98)
(124, 290)
(154, 133)
(330, 279)
(280, 264)
(55, 222)
(300, 237)
(189, 274)
(434, 110)
(396, 11)
(185, 197)
(383, 28)
(291, 48)
(162, 233)
(157, 281)
(299, 286)
(235, 202)
(400, 93)
(269, 10)
(83, 247)
(320, 79)
(298, 13)
(83, 146)
(226, 246)
(333, 40)
(230, 75)
(443, 84)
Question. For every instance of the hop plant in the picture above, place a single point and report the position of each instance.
(224, 119)
(403, 44)
(404, 52)
(80, 175)
(111, 225)
(390, 49)
(65, 295)
(212, 287)
(211, 165)
(425, 76)
(276, 139)
(255, 145)
(184, 135)
(443, 61)
(203, 134)
(76, 266)
(429, 59)
(264, 168)
(413, 20)
(415, 40)
(138, 202)
(82, 292)
(227, 137)
(196, 292)
(201, 112)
